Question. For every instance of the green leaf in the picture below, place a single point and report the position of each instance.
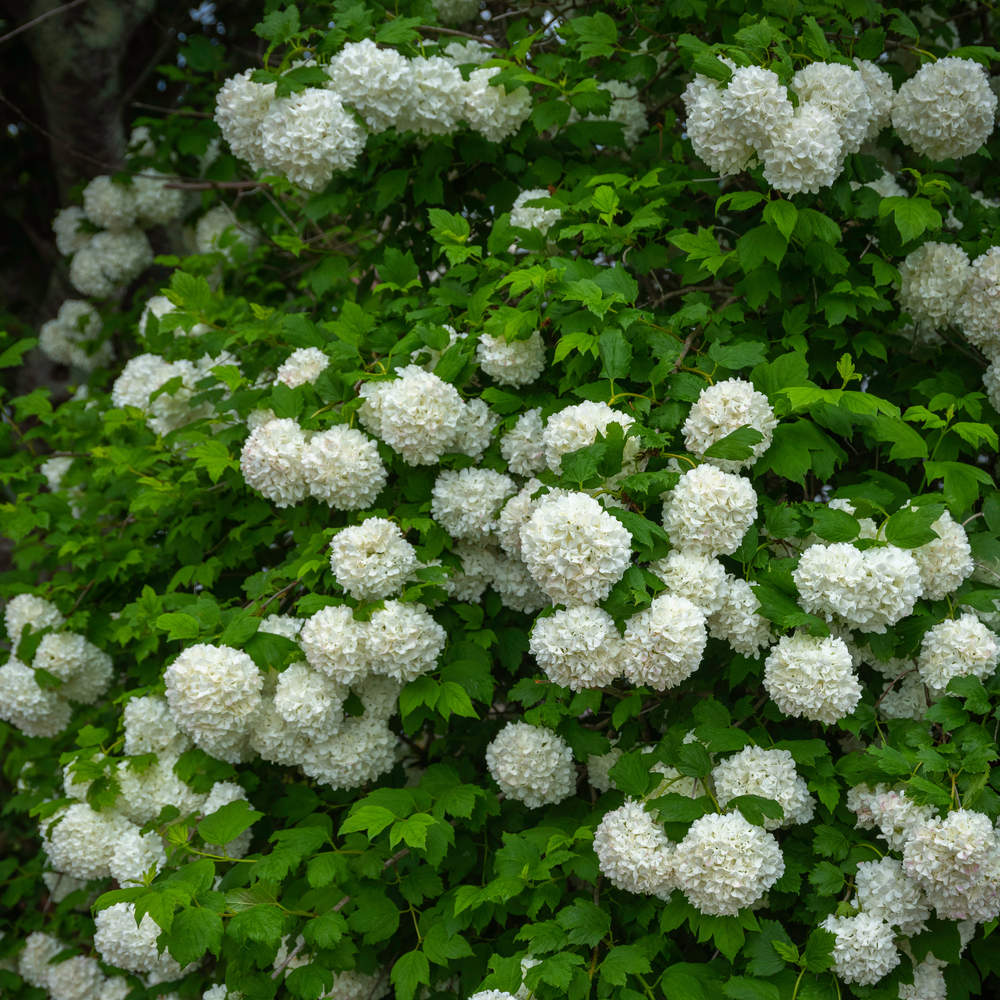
(194, 931)
(262, 923)
(442, 947)
(676, 808)
(835, 525)
(818, 953)
(913, 216)
(755, 808)
(783, 215)
(737, 445)
(240, 628)
(228, 822)
(961, 483)
(584, 923)
(620, 962)
(372, 819)
(745, 988)
(616, 354)
(278, 26)
(760, 244)
(178, 625)
(910, 527)
(826, 879)
(12, 356)
(326, 929)
(269, 650)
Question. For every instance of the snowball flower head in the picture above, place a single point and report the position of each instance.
(109, 261)
(341, 467)
(108, 204)
(885, 892)
(466, 503)
(33, 959)
(866, 590)
(946, 110)
(575, 550)
(523, 445)
(812, 678)
(756, 103)
(664, 643)
(739, 621)
(27, 705)
(979, 309)
(808, 155)
(960, 647)
(155, 203)
(526, 216)
(578, 648)
(840, 91)
(417, 414)
(304, 365)
(956, 861)
(864, 951)
(403, 641)
(933, 280)
(66, 226)
(66, 338)
(85, 670)
(309, 137)
(376, 82)
(217, 223)
(516, 363)
(478, 562)
(491, 111)
(78, 978)
(372, 560)
(578, 426)
(723, 408)
(27, 609)
(699, 578)
(83, 841)
(436, 99)
(770, 774)
(123, 944)
(271, 462)
(946, 561)
(240, 108)
(213, 693)
(725, 863)
(334, 643)
(881, 93)
(633, 852)
(531, 764)
(709, 511)
(718, 139)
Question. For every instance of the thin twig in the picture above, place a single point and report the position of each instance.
(685, 347)
(280, 593)
(190, 112)
(212, 185)
(40, 18)
(893, 684)
(83, 594)
(461, 34)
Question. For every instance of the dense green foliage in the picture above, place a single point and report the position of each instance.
(154, 543)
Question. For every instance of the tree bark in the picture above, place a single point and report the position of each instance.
(78, 54)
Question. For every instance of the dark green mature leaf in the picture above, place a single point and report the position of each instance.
(756, 809)
(737, 445)
(409, 972)
(620, 962)
(826, 879)
(584, 923)
(194, 931)
(228, 822)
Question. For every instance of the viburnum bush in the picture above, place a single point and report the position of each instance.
(537, 533)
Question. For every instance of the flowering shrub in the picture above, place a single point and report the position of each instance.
(540, 539)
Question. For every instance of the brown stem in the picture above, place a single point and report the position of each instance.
(461, 34)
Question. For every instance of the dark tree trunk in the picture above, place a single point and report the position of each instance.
(78, 54)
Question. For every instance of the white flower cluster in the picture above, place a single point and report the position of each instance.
(626, 110)
(531, 764)
(75, 978)
(80, 671)
(516, 363)
(723, 863)
(145, 373)
(864, 951)
(86, 844)
(340, 466)
(105, 260)
(865, 590)
(945, 110)
(71, 338)
(372, 560)
(723, 408)
(960, 647)
(770, 774)
(812, 677)
(887, 893)
(708, 511)
(311, 135)
(526, 216)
